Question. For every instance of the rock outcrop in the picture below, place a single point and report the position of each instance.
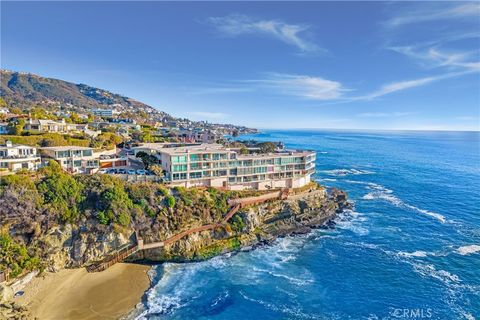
(68, 246)
(254, 225)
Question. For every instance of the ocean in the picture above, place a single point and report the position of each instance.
(410, 248)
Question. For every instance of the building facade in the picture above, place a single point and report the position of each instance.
(56, 126)
(72, 158)
(17, 157)
(213, 165)
(103, 112)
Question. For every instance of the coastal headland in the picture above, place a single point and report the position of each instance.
(65, 290)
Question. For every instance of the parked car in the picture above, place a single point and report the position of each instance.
(112, 171)
(122, 171)
(141, 172)
(102, 171)
(131, 171)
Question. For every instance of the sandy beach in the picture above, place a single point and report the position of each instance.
(75, 294)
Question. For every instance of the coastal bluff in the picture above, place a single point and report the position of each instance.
(255, 225)
(75, 246)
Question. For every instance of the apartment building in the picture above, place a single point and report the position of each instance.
(15, 157)
(73, 159)
(213, 165)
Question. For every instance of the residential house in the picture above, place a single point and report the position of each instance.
(14, 157)
(58, 127)
(73, 159)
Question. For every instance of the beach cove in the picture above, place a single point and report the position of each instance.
(74, 294)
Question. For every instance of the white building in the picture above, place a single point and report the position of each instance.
(58, 127)
(213, 165)
(17, 157)
(72, 158)
(103, 112)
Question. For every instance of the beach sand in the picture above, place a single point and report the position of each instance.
(75, 294)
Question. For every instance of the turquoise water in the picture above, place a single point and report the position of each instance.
(410, 249)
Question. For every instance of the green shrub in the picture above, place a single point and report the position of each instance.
(170, 201)
(14, 257)
(237, 223)
(60, 191)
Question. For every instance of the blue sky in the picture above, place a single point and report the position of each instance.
(357, 65)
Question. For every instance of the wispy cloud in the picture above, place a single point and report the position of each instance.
(292, 34)
(306, 87)
(209, 115)
(440, 12)
(434, 58)
(396, 86)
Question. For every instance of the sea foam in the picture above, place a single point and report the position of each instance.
(346, 172)
(467, 250)
(382, 193)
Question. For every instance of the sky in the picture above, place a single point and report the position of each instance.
(347, 65)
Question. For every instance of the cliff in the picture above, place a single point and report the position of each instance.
(254, 225)
(81, 244)
(66, 246)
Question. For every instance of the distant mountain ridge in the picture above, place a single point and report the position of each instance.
(26, 89)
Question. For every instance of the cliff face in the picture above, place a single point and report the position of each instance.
(253, 226)
(70, 247)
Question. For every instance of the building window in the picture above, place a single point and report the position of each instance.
(62, 154)
(195, 157)
(179, 176)
(195, 175)
(179, 159)
(179, 167)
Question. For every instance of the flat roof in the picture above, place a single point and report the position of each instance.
(66, 148)
(174, 148)
(16, 146)
(295, 153)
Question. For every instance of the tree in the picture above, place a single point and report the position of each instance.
(147, 159)
(75, 118)
(16, 110)
(243, 150)
(156, 169)
(16, 127)
(3, 104)
(116, 205)
(267, 147)
(61, 192)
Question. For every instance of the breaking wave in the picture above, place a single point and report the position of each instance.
(346, 172)
(417, 254)
(467, 250)
(382, 193)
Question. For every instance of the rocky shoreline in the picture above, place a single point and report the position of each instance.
(262, 224)
(249, 228)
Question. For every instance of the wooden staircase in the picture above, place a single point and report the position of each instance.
(236, 205)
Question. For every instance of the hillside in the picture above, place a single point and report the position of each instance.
(26, 89)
